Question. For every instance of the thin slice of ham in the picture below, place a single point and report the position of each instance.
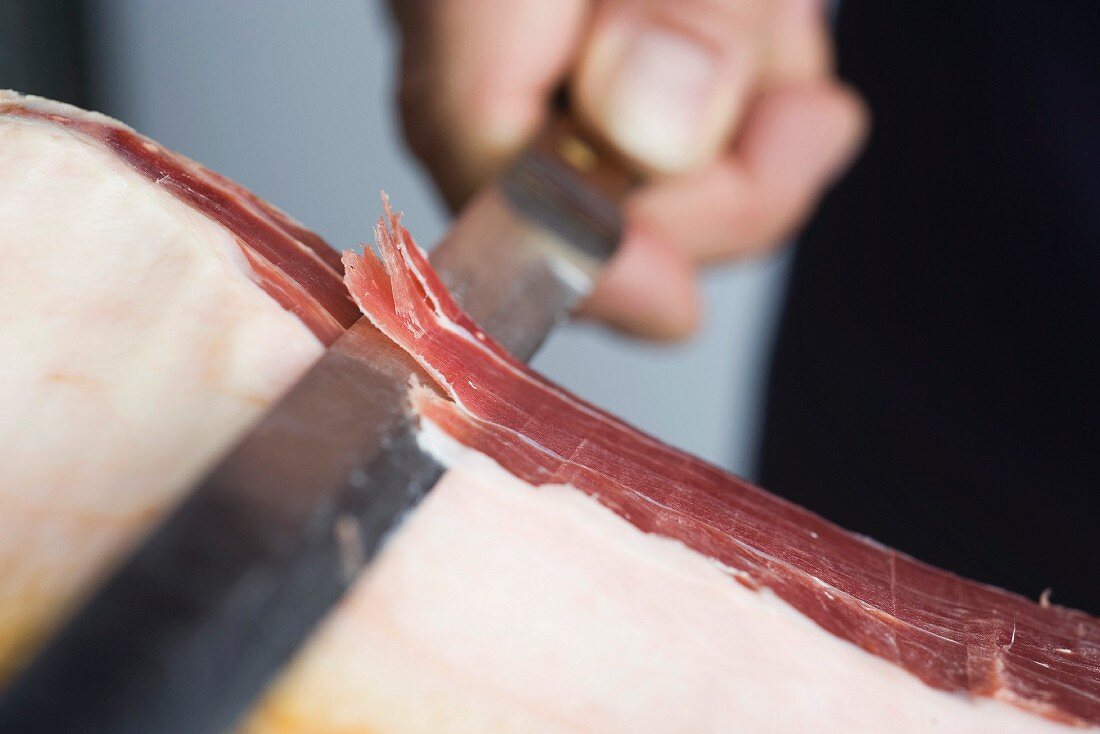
(567, 574)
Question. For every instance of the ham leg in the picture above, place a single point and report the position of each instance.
(567, 574)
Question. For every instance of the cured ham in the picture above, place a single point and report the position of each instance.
(149, 311)
(567, 573)
(666, 595)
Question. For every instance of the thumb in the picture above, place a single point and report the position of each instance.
(666, 82)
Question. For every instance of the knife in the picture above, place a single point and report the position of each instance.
(192, 626)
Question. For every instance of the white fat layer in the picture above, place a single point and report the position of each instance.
(501, 607)
(134, 347)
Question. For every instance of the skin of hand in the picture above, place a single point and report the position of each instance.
(731, 106)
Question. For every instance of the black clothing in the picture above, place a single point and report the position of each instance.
(936, 377)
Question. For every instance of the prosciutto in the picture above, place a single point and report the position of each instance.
(150, 310)
(568, 573)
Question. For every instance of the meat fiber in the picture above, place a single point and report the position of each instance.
(567, 574)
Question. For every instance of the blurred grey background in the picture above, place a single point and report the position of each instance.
(295, 100)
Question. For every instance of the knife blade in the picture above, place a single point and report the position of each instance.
(192, 626)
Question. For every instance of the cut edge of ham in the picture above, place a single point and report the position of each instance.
(953, 634)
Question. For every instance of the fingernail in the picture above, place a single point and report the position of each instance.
(660, 98)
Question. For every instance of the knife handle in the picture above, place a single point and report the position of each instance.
(571, 183)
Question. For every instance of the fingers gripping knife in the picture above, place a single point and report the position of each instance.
(193, 625)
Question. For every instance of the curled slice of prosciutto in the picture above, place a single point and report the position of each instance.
(567, 574)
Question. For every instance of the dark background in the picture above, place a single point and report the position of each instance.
(936, 380)
(43, 50)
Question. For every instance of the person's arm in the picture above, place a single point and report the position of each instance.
(732, 105)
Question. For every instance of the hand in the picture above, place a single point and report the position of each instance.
(731, 105)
